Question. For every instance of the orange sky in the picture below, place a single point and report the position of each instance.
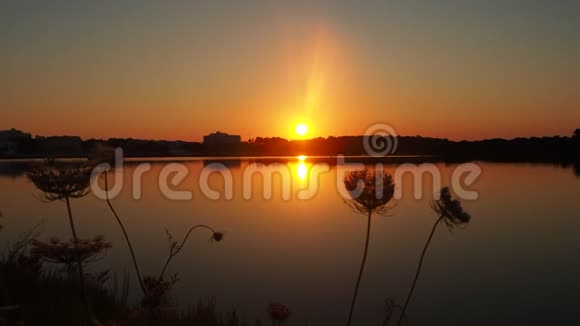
(147, 70)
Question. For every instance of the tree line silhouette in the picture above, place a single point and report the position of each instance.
(533, 149)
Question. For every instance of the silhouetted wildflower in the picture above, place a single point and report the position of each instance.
(278, 312)
(61, 181)
(217, 236)
(448, 210)
(175, 247)
(67, 252)
(378, 190)
(64, 182)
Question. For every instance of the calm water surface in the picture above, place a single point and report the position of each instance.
(516, 263)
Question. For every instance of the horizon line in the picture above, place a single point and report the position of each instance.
(289, 140)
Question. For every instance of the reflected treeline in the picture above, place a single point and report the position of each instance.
(228, 163)
(17, 168)
(13, 169)
(10, 168)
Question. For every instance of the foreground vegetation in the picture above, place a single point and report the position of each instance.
(33, 292)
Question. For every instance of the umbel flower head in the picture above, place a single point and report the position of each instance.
(377, 192)
(217, 236)
(450, 209)
(278, 312)
(69, 252)
(60, 181)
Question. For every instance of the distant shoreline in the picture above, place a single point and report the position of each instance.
(18, 145)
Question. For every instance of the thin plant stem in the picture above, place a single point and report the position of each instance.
(404, 310)
(70, 218)
(133, 257)
(362, 266)
(80, 263)
(173, 253)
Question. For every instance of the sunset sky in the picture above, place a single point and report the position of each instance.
(148, 69)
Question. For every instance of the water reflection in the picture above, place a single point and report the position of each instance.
(16, 168)
(13, 169)
(301, 169)
(222, 163)
(306, 253)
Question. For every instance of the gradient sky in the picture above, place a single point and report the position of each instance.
(179, 70)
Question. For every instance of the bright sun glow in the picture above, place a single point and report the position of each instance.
(301, 129)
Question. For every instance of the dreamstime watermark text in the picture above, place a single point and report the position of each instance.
(379, 140)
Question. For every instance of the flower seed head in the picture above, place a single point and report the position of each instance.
(450, 209)
(370, 191)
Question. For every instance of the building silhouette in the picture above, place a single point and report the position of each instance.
(11, 139)
(221, 138)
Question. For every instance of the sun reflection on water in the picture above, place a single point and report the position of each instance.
(302, 171)
(301, 168)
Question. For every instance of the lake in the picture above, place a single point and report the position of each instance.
(516, 262)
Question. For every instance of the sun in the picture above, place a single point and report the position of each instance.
(301, 129)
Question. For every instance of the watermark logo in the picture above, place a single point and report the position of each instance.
(380, 139)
